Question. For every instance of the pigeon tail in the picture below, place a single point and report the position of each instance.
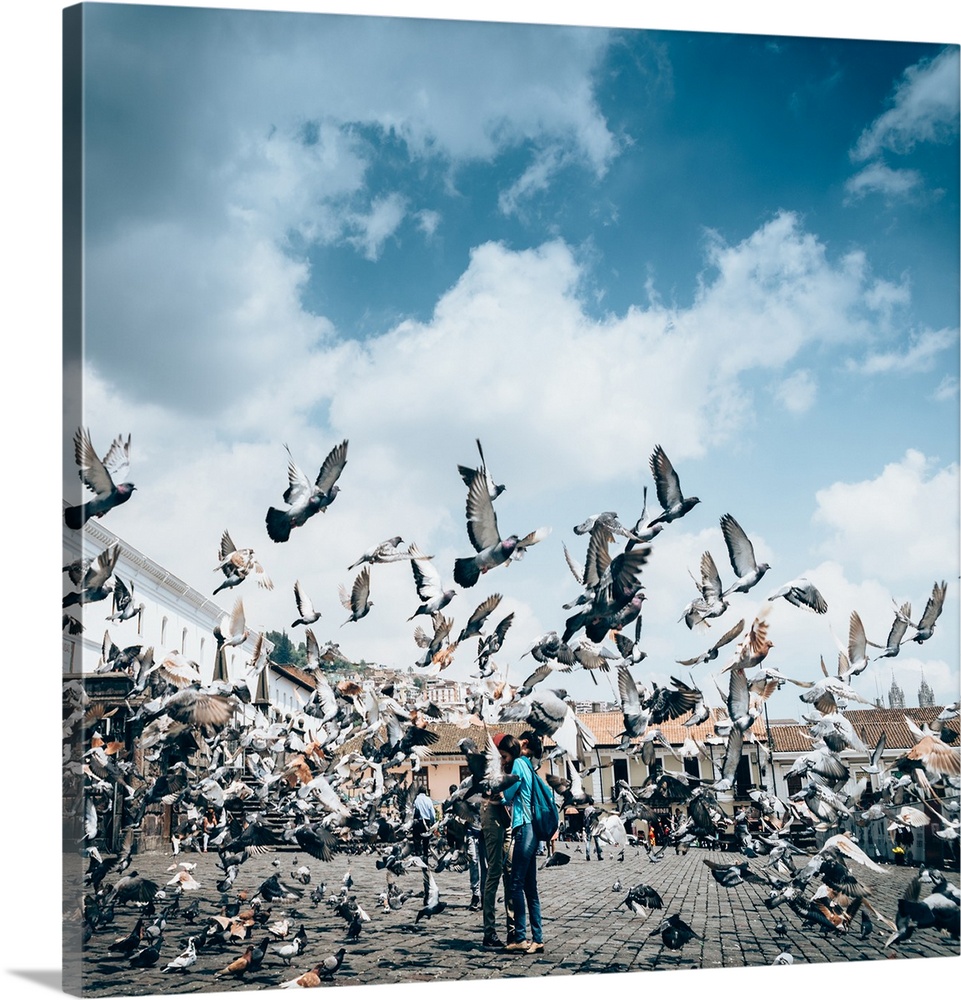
(278, 525)
(466, 573)
(75, 517)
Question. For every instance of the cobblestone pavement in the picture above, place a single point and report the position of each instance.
(587, 929)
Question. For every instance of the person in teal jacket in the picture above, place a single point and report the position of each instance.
(523, 854)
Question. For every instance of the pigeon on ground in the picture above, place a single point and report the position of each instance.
(185, 959)
(675, 933)
(98, 476)
(642, 899)
(305, 499)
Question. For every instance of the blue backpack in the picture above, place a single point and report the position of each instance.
(544, 818)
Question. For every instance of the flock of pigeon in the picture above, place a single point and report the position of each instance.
(336, 782)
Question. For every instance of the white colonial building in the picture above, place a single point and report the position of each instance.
(175, 616)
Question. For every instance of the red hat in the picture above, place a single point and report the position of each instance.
(498, 737)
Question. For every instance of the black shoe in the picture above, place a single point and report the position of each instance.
(493, 941)
(474, 903)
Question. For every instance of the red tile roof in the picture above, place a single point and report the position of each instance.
(869, 723)
(607, 727)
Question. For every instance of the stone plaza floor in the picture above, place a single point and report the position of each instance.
(587, 928)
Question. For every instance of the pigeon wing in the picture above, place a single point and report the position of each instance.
(426, 578)
(299, 485)
(738, 694)
(117, 459)
(933, 608)
(481, 519)
(313, 651)
(227, 548)
(739, 546)
(332, 468)
(710, 579)
(598, 555)
(360, 592)
(730, 635)
(92, 471)
(665, 479)
(482, 610)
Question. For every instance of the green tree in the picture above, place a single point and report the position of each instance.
(283, 651)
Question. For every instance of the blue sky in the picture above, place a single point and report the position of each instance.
(572, 243)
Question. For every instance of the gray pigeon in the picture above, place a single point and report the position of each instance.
(491, 549)
(98, 476)
(739, 548)
(305, 499)
(358, 601)
(673, 502)
(802, 594)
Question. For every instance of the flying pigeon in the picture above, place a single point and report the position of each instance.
(123, 606)
(711, 603)
(494, 490)
(482, 530)
(306, 615)
(673, 502)
(802, 594)
(430, 590)
(98, 476)
(925, 627)
(741, 552)
(237, 564)
(383, 553)
(305, 499)
(95, 585)
(711, 654)
(892, 646)
(358, 601)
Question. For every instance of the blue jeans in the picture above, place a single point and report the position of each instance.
(524, 884)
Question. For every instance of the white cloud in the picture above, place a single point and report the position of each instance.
(947, 389)
(374, 228)
(535, 179)
(797, 392)
(878, 178)
(924, 109)
(428, 221)
(912, 505)
(561, 400)
(920, 355)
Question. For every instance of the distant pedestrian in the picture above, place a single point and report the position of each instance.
(496, 832)
(423, 825)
